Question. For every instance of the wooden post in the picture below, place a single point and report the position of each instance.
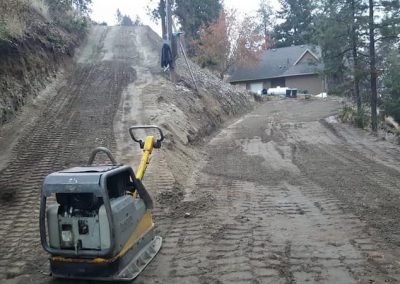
(170, 39)
(163, 19)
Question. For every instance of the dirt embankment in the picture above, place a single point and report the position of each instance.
(30, 61)
(188, 116)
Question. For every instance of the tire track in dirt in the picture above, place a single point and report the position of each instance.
(79, 118)
(255, 222)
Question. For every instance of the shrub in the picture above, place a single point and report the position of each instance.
(393, 108)
(40, 7)
(349, 114)
(12, 22)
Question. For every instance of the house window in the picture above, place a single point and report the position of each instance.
(278, 82)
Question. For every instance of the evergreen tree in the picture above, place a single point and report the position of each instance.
(265, 16)
(391, 82)
(380, 29)
(126, 21)
(118, 16)
(195, 14)
(192, 15)
(297, 27)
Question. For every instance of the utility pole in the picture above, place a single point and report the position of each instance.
(162, 10)
(170, 38)
(167, 19)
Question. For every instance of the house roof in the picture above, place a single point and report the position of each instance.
(281, 62)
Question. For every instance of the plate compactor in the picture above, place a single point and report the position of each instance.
(96, 221)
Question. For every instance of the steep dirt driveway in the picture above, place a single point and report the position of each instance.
(284, 197)
(72, 117)
(280, 196)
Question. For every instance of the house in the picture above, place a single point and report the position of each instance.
(294, 67)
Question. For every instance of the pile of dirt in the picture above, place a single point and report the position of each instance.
(30, 61)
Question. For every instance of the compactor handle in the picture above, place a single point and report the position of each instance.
(103, 150)
(157, 144)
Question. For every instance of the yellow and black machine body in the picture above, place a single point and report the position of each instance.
(96, 220)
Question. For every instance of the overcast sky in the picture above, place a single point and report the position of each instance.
(105, 10)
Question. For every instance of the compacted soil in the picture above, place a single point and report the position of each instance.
(284, 196)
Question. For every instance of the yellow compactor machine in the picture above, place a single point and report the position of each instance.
(96, 221)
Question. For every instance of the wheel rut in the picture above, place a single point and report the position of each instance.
(267, 220)
(77, 119)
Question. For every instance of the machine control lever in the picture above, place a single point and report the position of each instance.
(157, 143)
(103, 150)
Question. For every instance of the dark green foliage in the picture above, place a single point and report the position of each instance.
(297, 27)
(391, 82)
(158, 12)
(119, 16)
(82, 5)
(337, 31)
(126, 21)
(265, 23)
(350, 114)
(352, 64)
(393, 109)
(194, 14)
(62, 6)
(70, 14)
(191, 14)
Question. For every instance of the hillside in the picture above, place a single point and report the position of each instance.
(35, 41)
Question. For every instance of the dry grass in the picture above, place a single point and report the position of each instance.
(14, 19)
(15, 26)
(12, 22)
(40, 7)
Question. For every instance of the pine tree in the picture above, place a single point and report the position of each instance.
(194, 14)
(297, 27)
(380, 30)
(265, 15)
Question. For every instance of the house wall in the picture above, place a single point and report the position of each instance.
(267, 84)
(247, 84)
(312, 83)
(307, 58)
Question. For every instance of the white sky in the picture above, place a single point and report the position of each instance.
(105, 10)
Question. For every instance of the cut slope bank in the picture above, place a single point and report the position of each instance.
(32, 48)
(187, 116)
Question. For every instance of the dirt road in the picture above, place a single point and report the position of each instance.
(284, 197)
(77, 116)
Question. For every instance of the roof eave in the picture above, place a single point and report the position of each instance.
(294, 75)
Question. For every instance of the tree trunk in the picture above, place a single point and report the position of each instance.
(266, 37)
(355, 61)
(170, 39)
(374, 92)
(163, 20)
